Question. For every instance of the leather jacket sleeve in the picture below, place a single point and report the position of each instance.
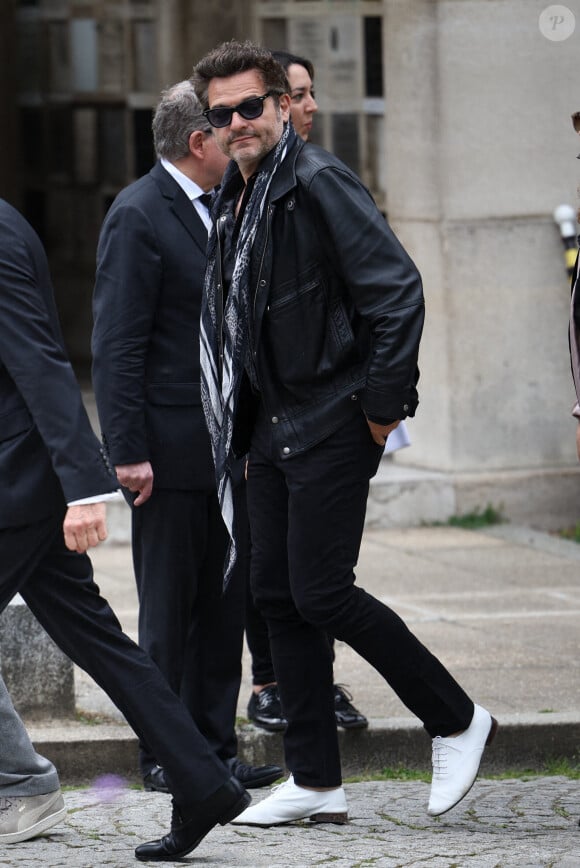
(383, 283)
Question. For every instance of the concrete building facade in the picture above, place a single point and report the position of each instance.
(480, 150)
(456, 114)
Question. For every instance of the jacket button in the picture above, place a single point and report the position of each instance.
(354, 397)
(275, 420)
(262, 283)
(406, 408)
(290, 205)
(286, 450)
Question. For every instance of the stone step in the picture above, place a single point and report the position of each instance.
(524, 742)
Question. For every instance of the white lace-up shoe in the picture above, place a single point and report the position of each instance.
(456, 762)
(288, 802)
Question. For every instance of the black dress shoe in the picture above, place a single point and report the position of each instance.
(154, 781)
(189, 827)
(253, 776)
(346, 714)
(265, 711)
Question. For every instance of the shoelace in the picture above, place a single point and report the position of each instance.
(439, 756)
(345, 694)
(266, 697)
(285, 783)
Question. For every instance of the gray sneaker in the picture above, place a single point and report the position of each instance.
(24, 817)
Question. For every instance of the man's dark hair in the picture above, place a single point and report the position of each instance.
(286, 59)
(177, 116)
(231, 58)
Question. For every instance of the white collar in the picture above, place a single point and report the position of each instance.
(189, 187)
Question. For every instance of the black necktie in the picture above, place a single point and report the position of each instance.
(206, 199)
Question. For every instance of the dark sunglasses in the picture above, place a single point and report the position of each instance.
(249, 109)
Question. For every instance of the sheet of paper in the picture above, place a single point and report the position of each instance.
(398, 439)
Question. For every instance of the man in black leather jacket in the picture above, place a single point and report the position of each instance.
(264, 707)
(310, 335)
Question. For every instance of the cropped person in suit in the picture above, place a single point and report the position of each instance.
(150, 266)
(264, 707)
(574, 325)
(54, 481)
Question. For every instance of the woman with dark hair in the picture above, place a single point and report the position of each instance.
(300, 75)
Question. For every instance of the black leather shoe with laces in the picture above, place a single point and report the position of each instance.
(253, 776)
(265, 711)
(189, 827)
(347, 716)
(154, 781)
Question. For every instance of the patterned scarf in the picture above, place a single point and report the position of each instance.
(220, 378)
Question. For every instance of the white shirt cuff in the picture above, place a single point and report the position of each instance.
(97, 498)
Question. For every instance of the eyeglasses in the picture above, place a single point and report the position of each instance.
(249, 109)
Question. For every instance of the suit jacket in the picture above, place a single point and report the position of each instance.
(48, 452)
(150, 265)
(574, 334)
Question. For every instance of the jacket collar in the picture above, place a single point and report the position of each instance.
(285, 178)
(181, 206)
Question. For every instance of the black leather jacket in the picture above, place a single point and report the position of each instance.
(337, 306)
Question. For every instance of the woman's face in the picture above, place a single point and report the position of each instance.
(302, 105)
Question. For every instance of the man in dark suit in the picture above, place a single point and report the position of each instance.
(54, 478)
(150, 266)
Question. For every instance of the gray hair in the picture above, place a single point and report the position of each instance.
(177, 116)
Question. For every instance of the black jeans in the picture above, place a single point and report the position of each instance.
(306, 518)
(258, 644)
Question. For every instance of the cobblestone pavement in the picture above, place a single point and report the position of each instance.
(524, 823)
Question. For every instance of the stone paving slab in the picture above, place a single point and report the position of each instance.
(500, 824)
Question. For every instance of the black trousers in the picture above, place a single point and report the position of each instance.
(258, 641)
(306, 517)
(189, 627)
(58, 587)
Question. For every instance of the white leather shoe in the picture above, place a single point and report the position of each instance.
(288, 802)
(456, 762)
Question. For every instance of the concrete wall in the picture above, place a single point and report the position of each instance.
(188, 30)
(480, 150)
